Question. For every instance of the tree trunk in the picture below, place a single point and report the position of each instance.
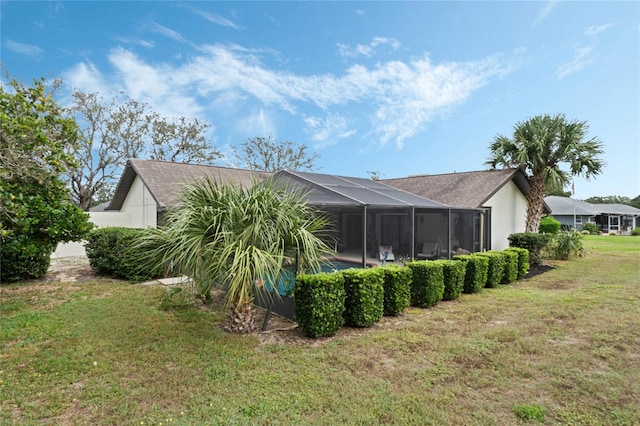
(241, 319)
(536, 203)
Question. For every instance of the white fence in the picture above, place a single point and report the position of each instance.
(102, 220)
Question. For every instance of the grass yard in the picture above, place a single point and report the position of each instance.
(560, 348)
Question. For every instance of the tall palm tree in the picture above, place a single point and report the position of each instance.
(540, 147)
(224, 235)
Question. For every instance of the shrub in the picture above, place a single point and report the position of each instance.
(591, 227)
(476, 268)
(495, 270)
(427, 283)
(635, 231)
(364, 296)
(453, 273)
(523, 260)
(397, 290)
(110, 253)
(533, 242)
(548, 225)
(24, 258)
(319, 303)
(511, 267)
(566, 244)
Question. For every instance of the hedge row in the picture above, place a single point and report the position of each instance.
(360, 297)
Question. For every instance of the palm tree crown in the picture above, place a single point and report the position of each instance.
(221, 234)
(541, 146)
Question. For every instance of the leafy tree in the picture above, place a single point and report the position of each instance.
(265, 154)
(610, 199)
(540, 147)
(36, 212)
(635, 202)
(559, 192)
(122, 128)
(374, 174)
(237, 238)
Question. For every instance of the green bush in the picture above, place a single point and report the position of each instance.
(453, 272)
(397, 289)
(110, 253)
(511, 267)
(635, 231)
(535, 243)
(591, 227)
(319, 303)
(566, 244)
(496, 267)
(523, 260)
(548, 225)
(364, 296)
(476, 268)
(24, 258)
(427, 283)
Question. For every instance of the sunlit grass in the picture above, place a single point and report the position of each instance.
(566, 343)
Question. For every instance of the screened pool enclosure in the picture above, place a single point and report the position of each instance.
(375, 223)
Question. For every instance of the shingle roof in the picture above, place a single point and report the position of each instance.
(164, 179)
(565, 206)
(568, 206)
(621, 209)
(465, 190)
(331, 190)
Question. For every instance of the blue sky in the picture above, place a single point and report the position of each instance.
(401, 88)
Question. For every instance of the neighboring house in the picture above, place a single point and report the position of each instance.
(615, 218)
(569, 212)
(503, 192)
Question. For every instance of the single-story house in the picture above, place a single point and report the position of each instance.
(571, 213)
(366, 214)
(502, 192)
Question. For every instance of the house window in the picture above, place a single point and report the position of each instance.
(578, 220)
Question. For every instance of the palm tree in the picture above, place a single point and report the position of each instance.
(540, 147)
(235, 238)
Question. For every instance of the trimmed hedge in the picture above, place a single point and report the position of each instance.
(533, 242)
(510, 274)
(453, 272)
(319, 303)
(476, 269)
(496, 267)
(110, 253)
(523, 260)
(397, 289)
(364, 296)
(427, 283)
(23, 257)
(549, 225)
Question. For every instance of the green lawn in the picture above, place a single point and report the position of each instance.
(563, 347)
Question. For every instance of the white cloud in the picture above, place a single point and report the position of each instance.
(217, 19)
(23, 48)
(328, 130)
(366, 50)
(167, 32)
(595, 30)
(580, 60)
(395, 99)
(360, 12)
(546, 10)
(137, 41)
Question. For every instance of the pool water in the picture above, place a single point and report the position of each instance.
(288, 280)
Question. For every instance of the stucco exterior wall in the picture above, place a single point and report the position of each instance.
(140, 206)
(102, 220)
(139, 210)
(508, 214)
